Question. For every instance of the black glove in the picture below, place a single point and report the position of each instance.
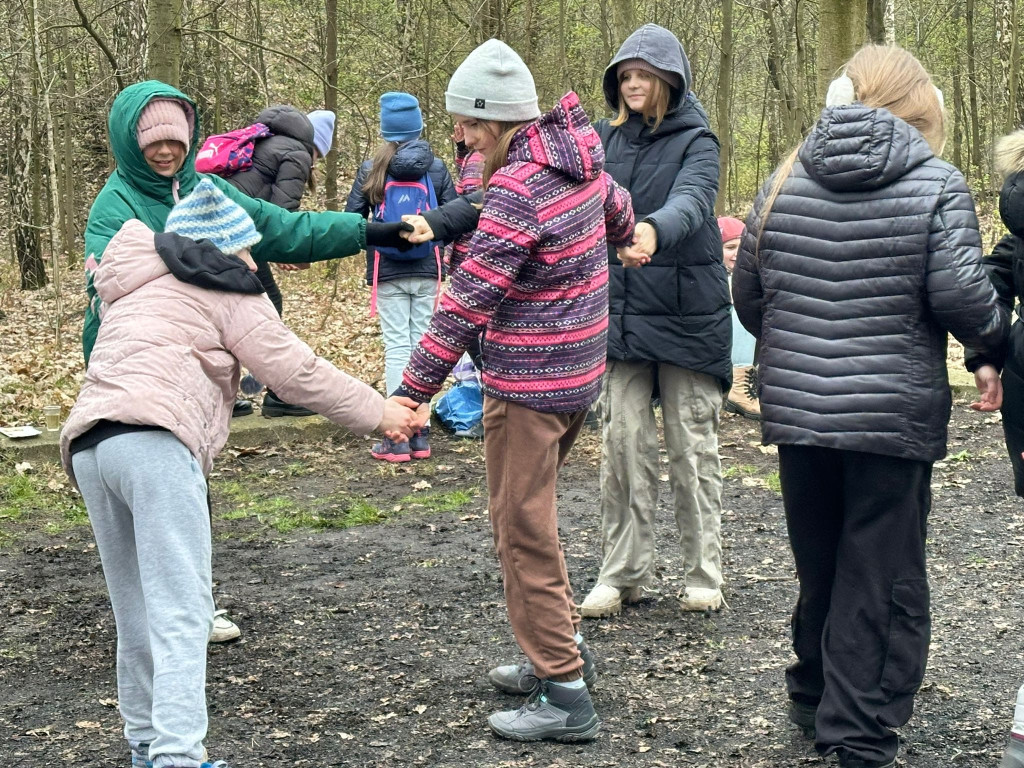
(385, 234)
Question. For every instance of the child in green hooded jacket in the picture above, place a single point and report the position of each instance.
(156, 167)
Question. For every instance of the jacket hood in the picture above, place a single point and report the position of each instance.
(129, 262)
(284, 120)
(562, 139)
(855, 147)
(657, 46)
(132, 168)
(412, 160)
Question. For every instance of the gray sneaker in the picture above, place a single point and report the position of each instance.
(522, 680)
(553, 712)
(1013, 757)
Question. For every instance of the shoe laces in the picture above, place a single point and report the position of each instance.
(750, 385)
(537, 698)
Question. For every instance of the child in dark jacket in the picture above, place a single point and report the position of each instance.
(536, 277)
(281, 171)
(404, 292)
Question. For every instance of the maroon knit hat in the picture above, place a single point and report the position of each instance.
(731, 228)
(671, 78)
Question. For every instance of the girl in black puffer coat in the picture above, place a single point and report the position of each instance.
(860, 254)
(669, 328)
(282, 167)
(404, 292)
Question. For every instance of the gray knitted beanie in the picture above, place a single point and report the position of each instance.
(493, 83)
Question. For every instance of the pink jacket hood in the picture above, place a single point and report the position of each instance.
(168, 355)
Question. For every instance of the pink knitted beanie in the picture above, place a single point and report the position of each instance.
(163, 119)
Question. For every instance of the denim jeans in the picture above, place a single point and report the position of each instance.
(405, 307)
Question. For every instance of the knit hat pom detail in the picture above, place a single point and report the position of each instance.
(164, 120)
(672, 78)
(493, 83)
(209, 214)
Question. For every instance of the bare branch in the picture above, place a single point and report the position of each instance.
(101, 43)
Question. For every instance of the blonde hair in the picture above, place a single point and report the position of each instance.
(503, 131)
(884, 76)
(373, 187)
(655, 106)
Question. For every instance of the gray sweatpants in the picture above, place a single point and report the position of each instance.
(146, 498)
(691, 403)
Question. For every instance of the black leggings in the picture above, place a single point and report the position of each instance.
(266, 276)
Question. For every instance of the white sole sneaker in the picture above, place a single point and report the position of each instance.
(701, 599)
(224, 629)
(604, 600)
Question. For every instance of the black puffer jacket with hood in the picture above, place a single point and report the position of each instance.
(282, 163)
(413, 160)
(869, 255)
(676, 308)
(1005, 267)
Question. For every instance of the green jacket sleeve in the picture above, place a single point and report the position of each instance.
(295, 238)
(107, 215)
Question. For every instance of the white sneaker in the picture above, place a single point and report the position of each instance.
(224, 629)
(701, 599)
(604, 600)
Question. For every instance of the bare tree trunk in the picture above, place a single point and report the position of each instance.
(129, 39)
(331, 101)
(1009, 57)
(972, 89)
(68, 225)
(164, 41)
(788, 99)
(876, 13)
(724, 106)
(842, 27)
(623, 20)
(24, 206)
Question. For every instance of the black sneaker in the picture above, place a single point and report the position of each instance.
(241, 408)
(802, 716)
(856, 762)
(554, 713)
(273, 406)
(521, 679)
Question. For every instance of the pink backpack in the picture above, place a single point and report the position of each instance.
(231, 152)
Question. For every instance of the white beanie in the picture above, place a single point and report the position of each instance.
(493, 83)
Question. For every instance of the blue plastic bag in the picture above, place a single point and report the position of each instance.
(461, 409)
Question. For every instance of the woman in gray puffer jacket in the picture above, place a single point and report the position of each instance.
(860, 254)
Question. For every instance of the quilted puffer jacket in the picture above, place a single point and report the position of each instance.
(869, 255)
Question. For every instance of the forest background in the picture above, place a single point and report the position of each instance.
(761, 68)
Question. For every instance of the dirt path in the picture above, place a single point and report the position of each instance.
(369, 645)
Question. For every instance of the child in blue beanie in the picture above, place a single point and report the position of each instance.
(404, 287)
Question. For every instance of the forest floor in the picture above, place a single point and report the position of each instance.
(371, 607)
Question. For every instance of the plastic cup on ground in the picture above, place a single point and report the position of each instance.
(51, 413)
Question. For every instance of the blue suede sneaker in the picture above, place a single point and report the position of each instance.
(419, 444)
(389, 450)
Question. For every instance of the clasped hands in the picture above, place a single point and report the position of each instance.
(643, 247)
(402, 418)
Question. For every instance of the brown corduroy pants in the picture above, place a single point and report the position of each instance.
(524, 449)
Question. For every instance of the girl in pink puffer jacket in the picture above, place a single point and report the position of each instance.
(179, 317)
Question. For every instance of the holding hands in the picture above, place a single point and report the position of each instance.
(420, 231)
(645, 244)
(402, 418)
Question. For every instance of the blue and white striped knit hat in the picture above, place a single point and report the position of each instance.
(209, 214)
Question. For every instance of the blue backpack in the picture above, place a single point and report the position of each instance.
(405, 198)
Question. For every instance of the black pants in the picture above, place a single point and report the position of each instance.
(266, 276)
(857, 525)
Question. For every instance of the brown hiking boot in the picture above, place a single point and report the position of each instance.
(742, 397)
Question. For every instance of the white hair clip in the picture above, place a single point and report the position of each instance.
(840, 92)
(942, 99)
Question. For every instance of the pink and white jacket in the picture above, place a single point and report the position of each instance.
(168, 355)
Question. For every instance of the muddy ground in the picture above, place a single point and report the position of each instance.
(369, 645)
